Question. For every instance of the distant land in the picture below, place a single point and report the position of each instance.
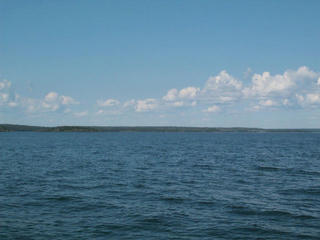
(26, 128)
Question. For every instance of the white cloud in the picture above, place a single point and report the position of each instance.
(255, 108)
(300, 98)
(31, 105)
(303, 72)
(5, 84)
(50, 106)
(178, 104)
(51, 97)
(52, 102)
(266, 84)
(108, 103)
(247, 73)
(213, 108)
(81, 114)
(226, 99)
(285, 102)
(171, 95)
(100, 111)
(313, 98)
(222, 88)
(292, 88)
(266, 89)
(189, 92)
(267, 103)
(223, 81)
(12, 104)
(129, 103)
(308, 99)
(146, 105)
(185, 93)
(66, 100)
(4, 97)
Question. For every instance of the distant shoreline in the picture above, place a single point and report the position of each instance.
(25, 128)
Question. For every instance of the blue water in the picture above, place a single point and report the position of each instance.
(159, 185)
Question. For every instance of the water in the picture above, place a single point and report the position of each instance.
(159, 186)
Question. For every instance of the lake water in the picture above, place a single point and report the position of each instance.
(159, 185)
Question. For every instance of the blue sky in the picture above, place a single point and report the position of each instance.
(183, 63)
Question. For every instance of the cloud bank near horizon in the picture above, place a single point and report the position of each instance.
(222, 93)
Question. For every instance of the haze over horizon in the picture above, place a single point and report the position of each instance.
(160, 63)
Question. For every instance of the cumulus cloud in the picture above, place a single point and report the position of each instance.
(189, 92)
(12, 104)
(129, 103)
(31, 105)
(4, 92)
(171, 95)
(146, 105)
(313, 98)
(212, 109)
(223, 81)
(292, 88)
(100, 111)
(222, 88)
(52, 102)
(184, 93)
(221, 92)
(4, 97)
(50, 106)
(266, 89)
(51, 97)
(266, 84)
(300, 99)
(178, 104)
(5, 84)
(267, 103)
(81, 114)
(285, 102)
(66, 100)
(108, 103)
(308, 99)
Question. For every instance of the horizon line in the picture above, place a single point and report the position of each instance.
(153, 126)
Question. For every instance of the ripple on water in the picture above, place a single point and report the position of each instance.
(159, 186)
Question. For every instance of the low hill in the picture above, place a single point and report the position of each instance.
(18, 128)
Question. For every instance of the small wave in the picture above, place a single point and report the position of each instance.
(289, 170)
(147, 221)
(80, 187)
(279, 213)
(172, 199)
(61, 198)
(306, 172)
(58, 172)
(241, 210)
(302, 191)
(261, 231)
(207, 203)
(269, 168)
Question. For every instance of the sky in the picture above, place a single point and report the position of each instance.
(160, 63)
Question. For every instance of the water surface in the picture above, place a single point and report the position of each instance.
(159, 185)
